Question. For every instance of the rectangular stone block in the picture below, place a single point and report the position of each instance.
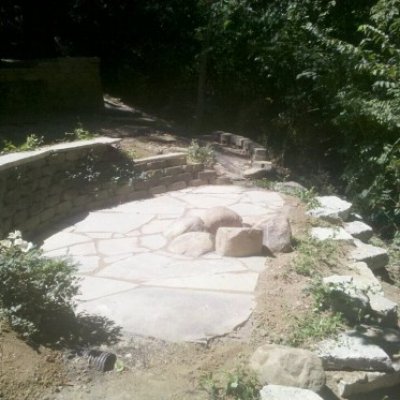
(140, 194)
(167, 180)
(155, 173)
(225, 138)
(197, 182)
(171, 171)
(197, 167)
(259, 154)
(186, 176)
(207, 174)
(64, 207)
(141, 185)
(177, 160)
(158, 189)
(238, 242)
(177, 185)
(47, 215)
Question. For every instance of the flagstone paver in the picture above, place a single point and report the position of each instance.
(130, 276)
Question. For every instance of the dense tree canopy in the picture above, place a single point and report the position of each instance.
(317, 80)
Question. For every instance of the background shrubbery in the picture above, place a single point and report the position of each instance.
(317, 81)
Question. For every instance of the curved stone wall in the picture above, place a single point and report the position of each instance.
(42, 187)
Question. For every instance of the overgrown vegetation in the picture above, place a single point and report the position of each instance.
(314, 255)
(201, 154)
(32, 142)
(314, 326)
(79, 133)
(36, 293)
(239, 385)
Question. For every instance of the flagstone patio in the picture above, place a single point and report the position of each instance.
(129, 276)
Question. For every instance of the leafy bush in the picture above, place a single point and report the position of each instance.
(79, 133)
(35, 292)
(32, 142)
(201, 154)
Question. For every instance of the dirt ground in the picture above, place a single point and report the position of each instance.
(150, 369)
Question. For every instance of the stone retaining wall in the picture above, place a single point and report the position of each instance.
(39, 188)
(246, 146)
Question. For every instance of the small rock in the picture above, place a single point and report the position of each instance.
(348, 296)
(184, 225)
(337, 233)
(238, 242)
(374, 257)
(388, 339)
(217, 217)
(277, 392)
(362, 272)
(277, 233)
(359, 230)
(384, 310)
(192, 244)
(357, 382)
(353, 350)
(281, 365)
(331, 208)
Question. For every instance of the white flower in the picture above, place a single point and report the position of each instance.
(23, 245)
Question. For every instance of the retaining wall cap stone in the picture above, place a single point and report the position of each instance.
(20, 158)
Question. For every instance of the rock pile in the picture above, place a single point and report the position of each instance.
(224, 231)
(360, 360)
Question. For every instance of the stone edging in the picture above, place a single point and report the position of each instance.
(42, 187)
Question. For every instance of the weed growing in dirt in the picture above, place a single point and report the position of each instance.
(313, 255)
(308, 197)
(32, 142)
(239, 385)
(201, 154)
(313, 327)
(79, 133)
(35, 291)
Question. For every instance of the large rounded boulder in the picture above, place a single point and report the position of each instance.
(218, 217)
(287, 366)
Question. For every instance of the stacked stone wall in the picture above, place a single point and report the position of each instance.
(40, 188)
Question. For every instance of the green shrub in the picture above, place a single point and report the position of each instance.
(201, 154)
(79, 133)
(35, 292)
(32, 142)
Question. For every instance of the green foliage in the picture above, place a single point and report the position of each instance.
(35, 291)
(313, 255)
(236, 386)
(79, 133)
(376, 187)
(201, 154)
(313, 327)
(32, 142)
